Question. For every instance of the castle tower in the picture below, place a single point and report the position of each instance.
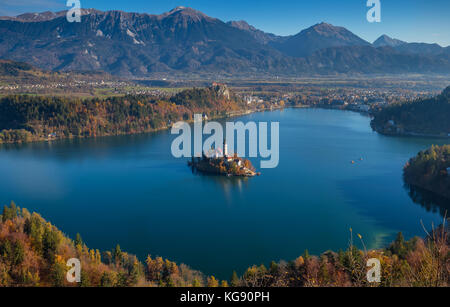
(225, 148)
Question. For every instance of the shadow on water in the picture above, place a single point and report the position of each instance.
(430, 201)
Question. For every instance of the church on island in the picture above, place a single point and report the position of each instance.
(219, 162)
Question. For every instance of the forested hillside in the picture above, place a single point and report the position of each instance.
(14, 73)
(28, 118)
(425, 117)
(428, 170)
(33, 252)
(10, 68)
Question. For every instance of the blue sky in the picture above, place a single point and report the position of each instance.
(409, 20)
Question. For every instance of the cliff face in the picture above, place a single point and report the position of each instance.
(221, 90)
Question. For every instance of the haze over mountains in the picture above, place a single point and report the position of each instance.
(187, 41)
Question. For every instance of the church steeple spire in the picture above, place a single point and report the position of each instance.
(225, 148)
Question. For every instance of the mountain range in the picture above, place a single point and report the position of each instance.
(185, 40)
(412, 48)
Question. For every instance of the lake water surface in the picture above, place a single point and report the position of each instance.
(131, 191)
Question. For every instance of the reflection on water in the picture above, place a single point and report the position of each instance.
(230, 186)
(76, 148)
(432, 202)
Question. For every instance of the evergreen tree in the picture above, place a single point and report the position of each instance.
(306, 255)
(213, 282)
(135, 273)
(107, 280)
(398, 247)
(50, 242)
(118, 255)
(122, 280)
(58, 274)
(234, 279)
(78, 240)
(10, 212)
(85, 281)
(18, 254)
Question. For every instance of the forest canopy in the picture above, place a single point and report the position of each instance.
(425, 116)
(430, 170)
(25, 118)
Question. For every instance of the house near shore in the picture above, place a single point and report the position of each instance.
(52, 135)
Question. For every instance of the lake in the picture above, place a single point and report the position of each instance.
(129, 190)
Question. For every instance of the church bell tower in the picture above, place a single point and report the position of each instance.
(225, 148)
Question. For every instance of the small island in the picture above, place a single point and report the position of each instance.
(221, 163)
